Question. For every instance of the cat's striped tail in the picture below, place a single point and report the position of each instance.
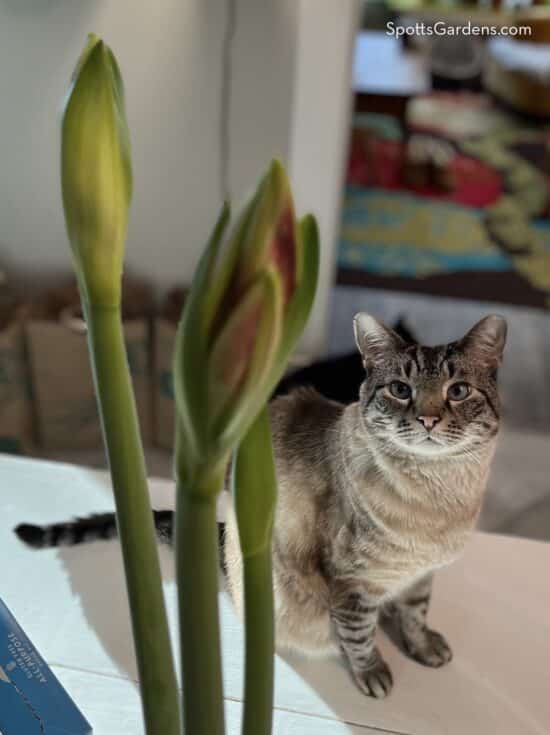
(99, 527)
(82, 530)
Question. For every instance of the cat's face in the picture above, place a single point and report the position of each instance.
(431, 400)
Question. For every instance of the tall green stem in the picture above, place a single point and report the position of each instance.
(197, 565)
(260, 641)
(117, 409)
(255, 496)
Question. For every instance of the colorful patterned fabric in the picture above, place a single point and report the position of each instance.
(449, 207)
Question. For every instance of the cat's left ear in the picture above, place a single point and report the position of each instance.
(374, 339)
(485, 341)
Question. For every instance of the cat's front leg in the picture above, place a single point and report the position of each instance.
(408, 614)
(355, 618)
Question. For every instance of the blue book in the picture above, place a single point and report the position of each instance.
(32, 701)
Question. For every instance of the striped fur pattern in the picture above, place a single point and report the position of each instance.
(373, 498)
(97, 527)
(101, 526)
(408, 615)
(355, 619)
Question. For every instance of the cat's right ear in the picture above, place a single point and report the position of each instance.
(486, 340)
(374, 339)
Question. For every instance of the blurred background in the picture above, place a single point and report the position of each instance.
(425, 155)
(446, 208)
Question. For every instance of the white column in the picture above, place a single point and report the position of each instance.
(319, 135)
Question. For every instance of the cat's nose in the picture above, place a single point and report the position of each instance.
(428, 422)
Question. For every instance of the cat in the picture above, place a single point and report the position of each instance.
(373, 497)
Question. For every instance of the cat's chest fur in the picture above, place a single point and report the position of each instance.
(409, 517)
(347, 516)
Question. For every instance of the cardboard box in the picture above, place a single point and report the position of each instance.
(64, 397)
(32, 701)
(66, 405)
(16, 435)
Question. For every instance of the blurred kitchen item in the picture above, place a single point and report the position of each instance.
(456, 62)
(518, 73)
(538, 19)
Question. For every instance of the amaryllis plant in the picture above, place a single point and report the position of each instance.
(249, 301)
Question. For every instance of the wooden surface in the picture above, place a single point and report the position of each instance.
(492, 605)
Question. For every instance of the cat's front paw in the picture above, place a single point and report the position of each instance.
(377, 680)
(432, 650)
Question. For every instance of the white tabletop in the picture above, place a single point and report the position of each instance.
(382, 66)
(492, 605)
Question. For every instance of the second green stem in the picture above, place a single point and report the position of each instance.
(197, 565)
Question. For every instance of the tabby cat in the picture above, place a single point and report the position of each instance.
(373, 497)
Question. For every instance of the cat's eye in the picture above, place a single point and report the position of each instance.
(400, 390)
(458, 391)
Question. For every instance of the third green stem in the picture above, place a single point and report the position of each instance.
(197, 564)
(259, 627)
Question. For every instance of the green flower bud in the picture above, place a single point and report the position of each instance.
(96, 173)
(247, 307)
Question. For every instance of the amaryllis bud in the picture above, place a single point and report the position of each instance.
(96, 173)
(271, 237)
(241, 357)
(242, 318)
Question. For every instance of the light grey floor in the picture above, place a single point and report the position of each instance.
(517, 500)
(518, 496)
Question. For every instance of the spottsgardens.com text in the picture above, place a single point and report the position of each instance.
(440, 28)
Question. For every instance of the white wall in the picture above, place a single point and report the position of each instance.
(170, 55)
(288, 100)
(264, 61)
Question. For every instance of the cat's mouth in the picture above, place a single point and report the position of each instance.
(426, 437)
(431, 444)
(427, 444)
